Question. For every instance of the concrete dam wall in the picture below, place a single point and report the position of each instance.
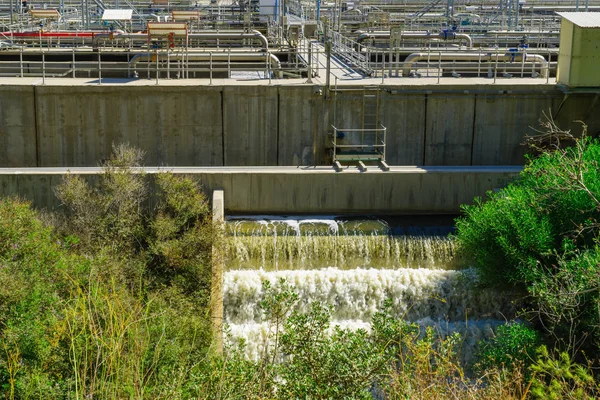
(75, 124)
(320, 190)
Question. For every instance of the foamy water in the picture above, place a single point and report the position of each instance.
(354, 267)
(258, 335)
(359, 293)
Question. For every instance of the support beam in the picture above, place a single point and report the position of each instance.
(216, 282)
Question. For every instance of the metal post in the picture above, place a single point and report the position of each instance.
(309, 62)
(43, 67)
(496, 67)
(211, 68)
(328, 54)
(21, 61)
(390, 63)
(268, 67)
(383, 67)
(73, 70)
(439, 66)
(156, 54)
(168, 64)
(229, 62)
(99, 69)
(548, 69)
(516, 14)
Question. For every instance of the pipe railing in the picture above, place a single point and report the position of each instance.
(310, 59)
(227, 35)
(359, 144)
(450, 37)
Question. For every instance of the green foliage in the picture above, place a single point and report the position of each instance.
(514, 344)
(540, 234)
(561, 378)
(111, 213)
(182, 235)
(505, 237)
(112, 304)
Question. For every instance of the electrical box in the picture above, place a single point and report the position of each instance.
(579, 52)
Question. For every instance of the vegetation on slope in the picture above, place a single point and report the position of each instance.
(108, 300)
(541, 234)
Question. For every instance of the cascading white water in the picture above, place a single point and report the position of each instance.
(359, 293)
(275, 244)
(354, 266)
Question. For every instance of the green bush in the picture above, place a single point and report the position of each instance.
(558, 378)
(514, 344)
(539, 234)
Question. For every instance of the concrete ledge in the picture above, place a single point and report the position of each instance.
(291, 190)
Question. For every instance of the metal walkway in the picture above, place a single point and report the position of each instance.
(339, 68)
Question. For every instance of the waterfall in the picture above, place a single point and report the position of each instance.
(354, 266)
(359, 293)
(276, 244)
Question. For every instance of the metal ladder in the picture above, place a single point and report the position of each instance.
(370, 107)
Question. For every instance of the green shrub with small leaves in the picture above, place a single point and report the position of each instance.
(514, 344)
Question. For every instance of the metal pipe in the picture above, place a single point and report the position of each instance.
(414, 35)
(413, 58)
(274, 62)
(200, 35)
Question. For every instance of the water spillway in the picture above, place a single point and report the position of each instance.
(354, 266)
(310, 243)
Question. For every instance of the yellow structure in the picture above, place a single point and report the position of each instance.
(579, 52)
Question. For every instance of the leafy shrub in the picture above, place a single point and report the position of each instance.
(540, 234)
(514, 344)
(561, 378)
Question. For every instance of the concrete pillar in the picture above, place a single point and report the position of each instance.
(216, 282)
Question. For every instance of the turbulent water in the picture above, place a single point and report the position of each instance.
(359, 293)
(354, 266)
(281, 244)
(257, 335)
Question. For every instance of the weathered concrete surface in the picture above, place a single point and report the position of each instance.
(289, 190)
(449, 129)
(302, 120)
(18, 142)
(404, 117)
(501, 122)
(567, 112)
(176, 126)
(256, 124)
(216, 276)
(250, 116)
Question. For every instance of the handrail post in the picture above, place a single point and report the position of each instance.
(73, 71)
(211, 67)
(43, 67)
(99, 69)
(439, 66)
(156, 55)
(268, 67)
(496, 67)
(548, 69)
(21, 61)
(383, 67)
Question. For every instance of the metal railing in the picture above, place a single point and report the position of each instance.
(359, 144)
(345, 48)
(309, 60)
